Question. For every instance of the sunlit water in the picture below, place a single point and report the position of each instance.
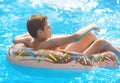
(65, 17)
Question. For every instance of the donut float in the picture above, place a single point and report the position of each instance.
(43, 58)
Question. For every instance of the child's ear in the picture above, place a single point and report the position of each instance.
(39, 32)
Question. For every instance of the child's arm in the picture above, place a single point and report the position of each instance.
(83, 32)
(21, 38)
(53, 43)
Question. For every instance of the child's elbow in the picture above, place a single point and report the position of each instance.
(15, 40)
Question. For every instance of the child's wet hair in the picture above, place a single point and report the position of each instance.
(35, 22)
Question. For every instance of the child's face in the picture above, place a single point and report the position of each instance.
(47, 30)
(46, 33)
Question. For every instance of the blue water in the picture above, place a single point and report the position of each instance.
(65, 17)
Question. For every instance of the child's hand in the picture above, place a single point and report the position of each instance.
(94, 27)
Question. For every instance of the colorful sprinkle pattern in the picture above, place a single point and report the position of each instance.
(66, 57)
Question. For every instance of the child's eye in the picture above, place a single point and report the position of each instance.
(49, 26)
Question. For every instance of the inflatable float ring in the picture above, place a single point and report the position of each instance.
(44, 58)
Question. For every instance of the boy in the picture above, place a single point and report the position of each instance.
(83, 40)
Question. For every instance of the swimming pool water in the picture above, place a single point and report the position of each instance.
(65, 17)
